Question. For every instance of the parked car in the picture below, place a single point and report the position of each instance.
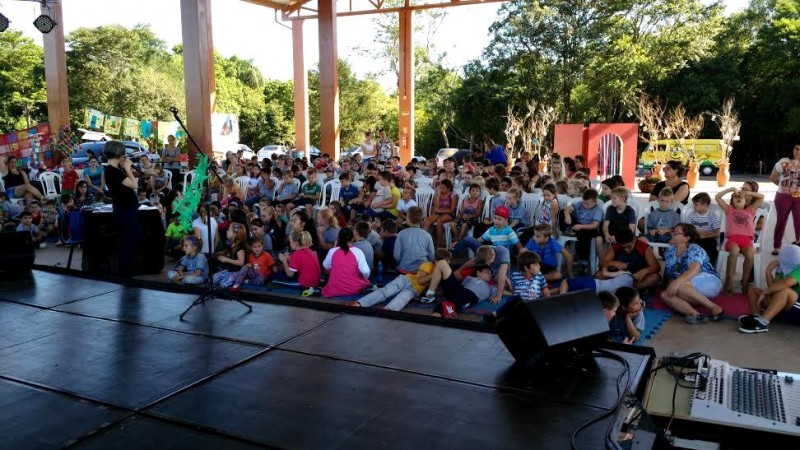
(81, 160)
(352, 151)
(313, 152)
(443, 154)
(268, 150)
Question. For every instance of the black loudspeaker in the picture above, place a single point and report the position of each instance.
(555, 328)
(17, 253)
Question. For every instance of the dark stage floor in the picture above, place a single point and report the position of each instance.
(92, 364)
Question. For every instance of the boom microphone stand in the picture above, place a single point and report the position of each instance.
(210, 289)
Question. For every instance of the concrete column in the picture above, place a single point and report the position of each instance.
(55, 70)
(406, 88)
(302, 139)
(328, 79)
(198, 73)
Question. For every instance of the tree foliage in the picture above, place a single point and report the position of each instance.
(22, 86)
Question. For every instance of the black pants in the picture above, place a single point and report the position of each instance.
(710, 246)
(130, 234)
(585, 241)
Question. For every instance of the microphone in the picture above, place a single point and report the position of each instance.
(173, 110)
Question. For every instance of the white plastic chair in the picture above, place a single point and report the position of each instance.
(187, 179)
(335, 187)
(425, 199)
(531, 203)
(448, 231)
(424, 181)
(51, 182)
(652, 206)
(722, 258)
(244, 183)
(168, 176)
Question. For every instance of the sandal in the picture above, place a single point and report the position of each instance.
(695, 319)
(717, 317)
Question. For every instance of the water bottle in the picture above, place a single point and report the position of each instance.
(379, 275)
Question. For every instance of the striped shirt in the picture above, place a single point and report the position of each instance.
(528, 288)
(707, 222)
(503, 237)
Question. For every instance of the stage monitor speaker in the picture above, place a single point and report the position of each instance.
(554, 328)
(17, 253)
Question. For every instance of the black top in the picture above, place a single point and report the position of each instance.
(662, 184)
(122, 196)
(12, 180)
(617, 221)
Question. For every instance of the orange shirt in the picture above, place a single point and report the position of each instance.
(264, 262)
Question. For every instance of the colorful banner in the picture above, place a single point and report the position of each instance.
(30, 146)
(113, 125)
(131, 127)
(94, 119)
(148, 129)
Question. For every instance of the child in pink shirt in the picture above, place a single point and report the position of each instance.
(740, 230)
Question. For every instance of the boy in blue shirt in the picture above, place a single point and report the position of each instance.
(346, 193)
(548, 250)
(585, 218)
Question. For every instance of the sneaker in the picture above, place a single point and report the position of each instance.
(695, 320)
(753, 324)
(428, 299)
(309, 292)
(235, 288)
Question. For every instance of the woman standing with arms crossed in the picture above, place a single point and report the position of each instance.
(122, 187)
(786, 174)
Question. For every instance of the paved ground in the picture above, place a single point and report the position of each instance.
(776, 349)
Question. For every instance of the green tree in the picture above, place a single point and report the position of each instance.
(434, 109)
(363, 106)
(23, 99)
(274, 124)
(121, 71)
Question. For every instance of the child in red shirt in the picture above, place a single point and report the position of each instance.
(258, 267)
(69, 178)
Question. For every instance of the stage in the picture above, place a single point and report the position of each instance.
(94, 364)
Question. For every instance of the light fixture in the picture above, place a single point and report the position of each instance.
(45, 23)
(4, 22)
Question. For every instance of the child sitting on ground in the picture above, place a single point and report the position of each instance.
(459, 295)
(740, 231)
(528, 284)
(26, 224)
(301, 269)
(175, 235)
(610, 304)
(500, 234)
(193, 267)
(232, 259)
(628, 323)
(258, 268)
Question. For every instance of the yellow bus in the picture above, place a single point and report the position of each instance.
(708, 153)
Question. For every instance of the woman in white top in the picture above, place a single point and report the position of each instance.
(786, 174)
(200, 229)
(368, 147)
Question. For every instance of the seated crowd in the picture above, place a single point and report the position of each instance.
(513, 229)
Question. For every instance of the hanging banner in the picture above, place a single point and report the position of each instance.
(131, 128)
(93, 119)
(224, 133)
(113, 125)
(147, 129)
(29, 146)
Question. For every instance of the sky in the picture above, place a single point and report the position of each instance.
(251, 32)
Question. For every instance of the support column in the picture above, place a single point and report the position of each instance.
(406, 87)
(55, 70)
(328, 79)
(301, 133)
(198, 73)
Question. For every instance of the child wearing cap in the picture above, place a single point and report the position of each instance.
(500, 234)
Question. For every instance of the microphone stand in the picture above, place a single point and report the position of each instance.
(210, 289)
